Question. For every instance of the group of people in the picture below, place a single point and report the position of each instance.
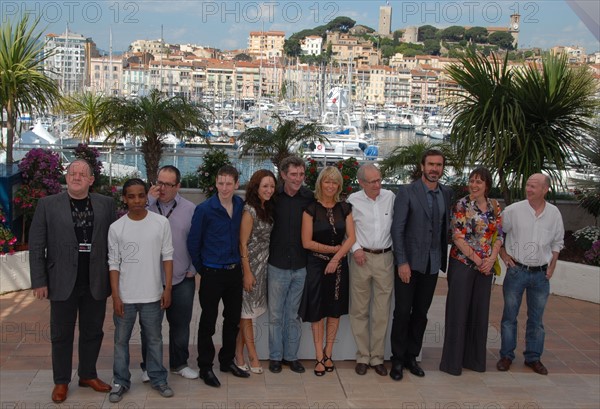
(285, 251)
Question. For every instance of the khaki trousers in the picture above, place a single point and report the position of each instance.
(371, 287)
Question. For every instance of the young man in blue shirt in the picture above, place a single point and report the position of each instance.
(213, 244)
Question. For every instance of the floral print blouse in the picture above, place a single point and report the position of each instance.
(476, 227)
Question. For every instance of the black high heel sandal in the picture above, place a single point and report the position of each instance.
(325, 359)
(320, 373)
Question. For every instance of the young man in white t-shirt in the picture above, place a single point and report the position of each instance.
(138, 243)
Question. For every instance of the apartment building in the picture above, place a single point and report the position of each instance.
(266, 44)
(312, 45)
(348, 49)
(68, 63)
(154, 47)
(106, 74)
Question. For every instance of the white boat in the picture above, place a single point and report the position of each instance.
(343, 142)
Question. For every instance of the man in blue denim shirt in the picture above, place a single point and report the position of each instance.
(213, 244)
(534, 237)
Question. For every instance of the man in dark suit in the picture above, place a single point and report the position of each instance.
(69, 266)
(420, 235)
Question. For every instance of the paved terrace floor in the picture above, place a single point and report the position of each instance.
(572, 356)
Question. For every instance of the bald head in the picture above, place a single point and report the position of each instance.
(536, 188)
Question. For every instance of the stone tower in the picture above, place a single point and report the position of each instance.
(515, 26)
(385, 20)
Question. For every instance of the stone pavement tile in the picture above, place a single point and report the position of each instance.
(19, 363)
(363, 391)
(508, 392)
(328, 404)
(159, 402)
(318, 392)
(372, 404)
(249, 391)
(404, 391)
(525, 380)
(266, 403)
(279, 392)
(440, 392)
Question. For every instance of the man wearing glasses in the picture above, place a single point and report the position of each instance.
(68, 258)
(371, 269)
(164, 199)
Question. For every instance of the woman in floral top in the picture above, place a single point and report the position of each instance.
(476, 220)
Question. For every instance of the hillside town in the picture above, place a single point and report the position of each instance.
(300, 69)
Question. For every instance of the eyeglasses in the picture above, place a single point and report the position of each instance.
(372, 182)
(165, 184)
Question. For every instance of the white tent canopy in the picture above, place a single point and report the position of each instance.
(37, 136)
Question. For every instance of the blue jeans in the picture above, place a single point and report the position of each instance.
(179, 316)
(151, 316)
(284, 294)
(537, 285)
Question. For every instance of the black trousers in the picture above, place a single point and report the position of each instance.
(467, 317)
(63, 315)
(412, 302)
(216, 285)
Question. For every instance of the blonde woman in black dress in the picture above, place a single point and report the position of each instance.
(328, 235)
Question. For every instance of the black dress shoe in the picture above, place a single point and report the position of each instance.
(396, 372)
(209, 377)
(275, 366)
(414, 367)
(361, 369)
(295, 366)
(235, 370)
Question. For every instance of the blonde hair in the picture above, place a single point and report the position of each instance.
(329, 172)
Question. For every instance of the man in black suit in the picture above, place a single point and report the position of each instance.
(420, 235)
(69, 266)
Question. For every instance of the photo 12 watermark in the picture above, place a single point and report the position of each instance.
(130, 12)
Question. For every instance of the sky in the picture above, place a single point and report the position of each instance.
(227, 24)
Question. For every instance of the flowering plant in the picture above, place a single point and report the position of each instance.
(41, 170)
(312, 172)
(348, 168)
(586, 236)
(593, 254)
(207, 172)
(7, 238)
(90, 155)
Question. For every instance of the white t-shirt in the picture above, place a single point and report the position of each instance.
(531, 239)
(136, 248)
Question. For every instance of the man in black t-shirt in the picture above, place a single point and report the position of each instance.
(287, 266)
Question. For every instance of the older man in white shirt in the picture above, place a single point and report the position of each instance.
(371, 269)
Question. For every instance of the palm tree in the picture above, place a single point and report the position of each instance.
(521, 121)
(87, 113)
(404, 162)
(151, 118)
(280, 143)
(23, 85)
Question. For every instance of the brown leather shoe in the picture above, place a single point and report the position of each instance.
(59, 393)
(380, 369)
(96, 384)
(504, 364)
(361, 369)
(538, 367)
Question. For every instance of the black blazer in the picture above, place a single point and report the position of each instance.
(54, 249)
(411, 227)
